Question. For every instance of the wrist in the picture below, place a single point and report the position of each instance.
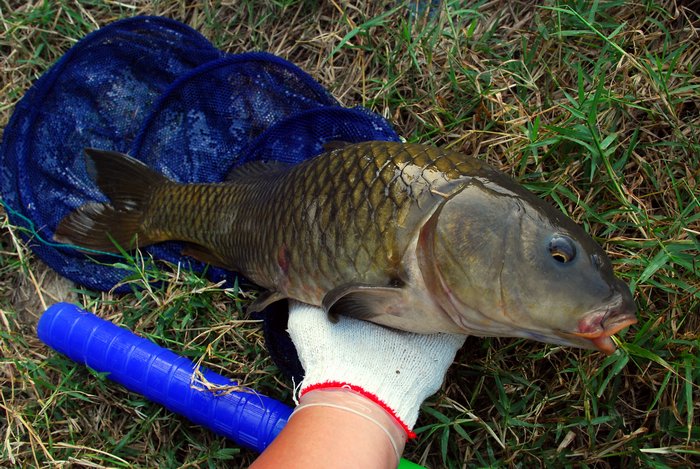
(341, 386)
(356, 402)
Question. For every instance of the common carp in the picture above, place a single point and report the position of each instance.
(409, 236)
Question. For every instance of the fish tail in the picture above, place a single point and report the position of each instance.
(129, 184)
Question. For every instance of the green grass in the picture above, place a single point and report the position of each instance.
(594, 105)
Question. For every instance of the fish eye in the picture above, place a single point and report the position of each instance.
(562, 249)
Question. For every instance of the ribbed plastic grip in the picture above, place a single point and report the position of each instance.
(248, 418)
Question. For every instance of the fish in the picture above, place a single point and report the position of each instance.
(409, 236)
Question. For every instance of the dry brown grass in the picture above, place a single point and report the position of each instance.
(535, 90)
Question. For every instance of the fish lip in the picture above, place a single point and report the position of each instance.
(598, 326)
(619, 323)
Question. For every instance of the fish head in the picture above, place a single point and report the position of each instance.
(501, 262)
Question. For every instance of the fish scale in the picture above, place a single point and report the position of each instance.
(337, 216)
(409, 236)
(340, 233)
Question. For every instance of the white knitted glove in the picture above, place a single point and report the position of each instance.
(396, 369)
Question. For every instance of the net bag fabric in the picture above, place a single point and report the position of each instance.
(159, 91)
(96, 95)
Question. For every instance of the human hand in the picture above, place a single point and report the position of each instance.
(397, 370)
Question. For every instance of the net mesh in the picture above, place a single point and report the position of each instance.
(158, 90)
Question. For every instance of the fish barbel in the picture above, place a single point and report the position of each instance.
(409, 236)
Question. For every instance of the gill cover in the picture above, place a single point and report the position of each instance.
(460, 257)
(501, 262)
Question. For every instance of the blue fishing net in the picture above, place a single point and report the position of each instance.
(158, 90)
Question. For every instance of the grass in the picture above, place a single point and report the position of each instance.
(594, 105)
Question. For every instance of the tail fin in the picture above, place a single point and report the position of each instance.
(102, 226)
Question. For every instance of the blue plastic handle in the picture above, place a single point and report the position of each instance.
(248, 418)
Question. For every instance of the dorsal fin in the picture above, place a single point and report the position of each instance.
(254, 170)
(335, 145)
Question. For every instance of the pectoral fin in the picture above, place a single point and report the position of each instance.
(361, 301)
(397, 306)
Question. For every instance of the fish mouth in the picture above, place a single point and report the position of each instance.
(597, 328)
